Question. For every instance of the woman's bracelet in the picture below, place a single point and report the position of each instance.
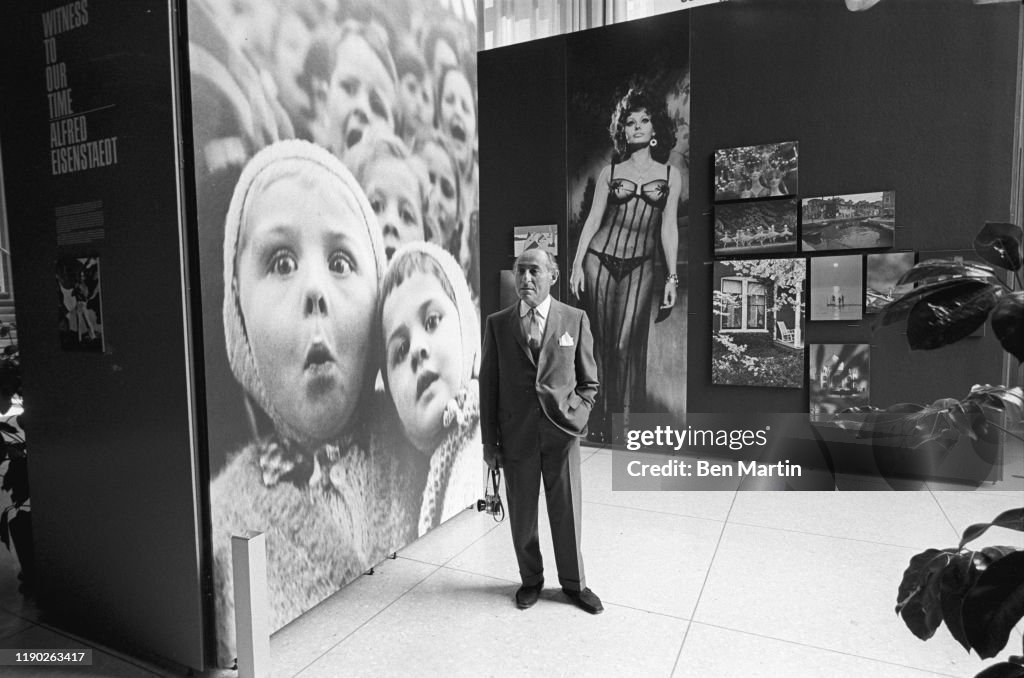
(672, 278)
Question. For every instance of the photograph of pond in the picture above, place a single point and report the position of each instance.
(859, 221)
(760, 227)
(837, 288)
(839, 377)
(883, 272)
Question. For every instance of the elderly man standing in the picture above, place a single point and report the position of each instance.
(537, 384)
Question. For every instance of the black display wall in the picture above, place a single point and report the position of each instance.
(91, 181)
(522, 153)
(916, 97)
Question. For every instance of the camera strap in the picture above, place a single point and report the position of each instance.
(495, 480)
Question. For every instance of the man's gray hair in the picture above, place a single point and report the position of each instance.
(552, 260)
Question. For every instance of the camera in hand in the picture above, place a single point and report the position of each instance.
(492, 499)
(490, 503)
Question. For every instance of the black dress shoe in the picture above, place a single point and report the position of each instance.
(585, 600)
(527, 596)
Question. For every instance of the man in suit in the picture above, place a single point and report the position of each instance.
(538, 380)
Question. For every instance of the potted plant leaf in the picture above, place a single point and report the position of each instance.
(979, 594)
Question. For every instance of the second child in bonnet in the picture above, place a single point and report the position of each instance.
(431, 334)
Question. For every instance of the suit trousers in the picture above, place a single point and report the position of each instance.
(556, 460)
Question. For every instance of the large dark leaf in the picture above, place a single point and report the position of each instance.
(5, 530)
(1011, 520)
(980, 427)
(950, 314)
(939, 425)
(937, 270)
(1008, 324)
(918, 598)
(1002, 670)
(898, 310)
(908, 425)
(1010, 399)
(995, 604)
(956, 579)
(982, 559)
(961, 420)
(999, 244)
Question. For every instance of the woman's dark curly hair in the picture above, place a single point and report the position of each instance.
(664, 131)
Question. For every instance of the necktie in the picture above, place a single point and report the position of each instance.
(533, 331)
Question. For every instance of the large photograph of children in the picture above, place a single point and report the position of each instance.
(628, 161)
(336, 184)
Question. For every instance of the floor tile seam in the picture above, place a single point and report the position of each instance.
(478, 574)
(417, 560)
(368, 620)
(942, 510)
(18, 614)
(822, 648)
(28, 626)
(109, 651)
(459, 553)
(830, 536)
(981, 491)
(682, 644)
(704, 583)
(645, 510)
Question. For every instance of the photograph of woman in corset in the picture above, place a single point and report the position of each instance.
(628, 166)
(632, 221)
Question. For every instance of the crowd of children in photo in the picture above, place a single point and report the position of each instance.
(336, 156)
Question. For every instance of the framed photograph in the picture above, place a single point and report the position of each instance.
(839, 377)
(640, 348)
(749, 172)
(883, 272)
(80, 326)
(858, 221)
(837, 288)
(528, 237)
(756, 227)
(758, 328)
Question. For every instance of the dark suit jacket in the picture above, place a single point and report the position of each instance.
(563, 380)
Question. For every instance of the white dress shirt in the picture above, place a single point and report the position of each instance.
(541, 311)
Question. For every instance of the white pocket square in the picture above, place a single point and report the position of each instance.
(566, 340)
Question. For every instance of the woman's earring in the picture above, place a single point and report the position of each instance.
(654, 142)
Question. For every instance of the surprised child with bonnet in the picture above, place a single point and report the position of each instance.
(303, 263)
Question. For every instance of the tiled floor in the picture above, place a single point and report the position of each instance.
(695, 584)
